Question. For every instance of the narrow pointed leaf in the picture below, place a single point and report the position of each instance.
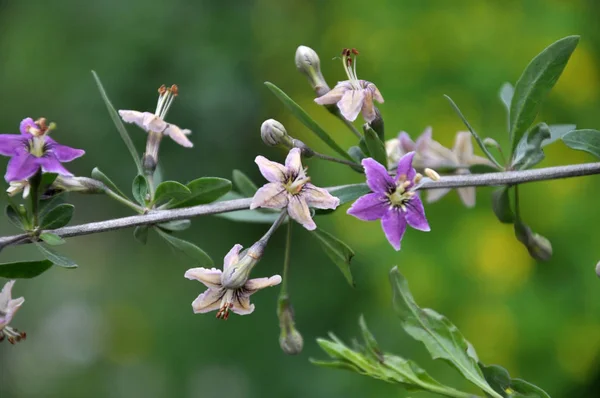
(441, 338)
(584, 140)
(187, 248)
(24, 269)
(499, 379)
(140, 233)
(52, 239)
(356, 154)
(306, 120)
(203, 190)
(139, 189)
(375, 146)
(100, 176)
(176, 225)
(339, 252)
(14, 217)
(119, 125)
(535, 83)
(557, 132)
(506, 95)
(55, 257)
(171, 190)
(349, 193)
(49, 204)
(501, 205)
(529, 152)
(370, 342)
(57, 217)
(244, 185)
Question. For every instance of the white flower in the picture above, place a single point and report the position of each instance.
(18, 186)
(8, 309)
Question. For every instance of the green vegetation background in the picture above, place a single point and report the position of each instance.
(121, 325)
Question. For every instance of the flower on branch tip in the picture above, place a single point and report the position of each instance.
(8, 309)
(34, 149)
(393, 200)
(230, 289)
(353, 96)
(155, 122)
(289, 187)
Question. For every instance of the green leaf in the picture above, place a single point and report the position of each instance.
(335, 365)
(46, 181)
(139, 188)
(584, 140)
(557, 132)
(501, 205)
(535, 83)
(54, 257)
(49, 204)
(203, 190)
(52, 239)
(14, 217)
(176, 225)
(100, 176)
(189, 249)
(473, 132)
(57, 217)
(370, 342)
(499, 379)
(168, 190)
(306, 120)
(506, 95)
(356, 154)
(349, 193)
(257, 216)
(441, 338)
(140, 233)
(244, 185)
(529, 151)
(482, 169)
(24, 269)
(339, 252)
(119, 125)
(375, 146)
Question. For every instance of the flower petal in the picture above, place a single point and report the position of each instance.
(256, 284)
(369, 207)
(319, 197)
(21, 167)
(334, 95)
(6, 294)
(467, 195)
(298, 210)
(62, 152)
(433, 195)
(8, 306)
(272, 196)
(406, 143)
(405, 169)
(241, 304)
(211, 278)
(351, 104)
(26, 124)
(375, 93)
(378, 178)
(11, 143)
(208, 301)
(232, 257)
(394, 226)
(50, 164)
(293, 162)
(178, 135)
(415, 214)
(133, 117)
(154, 123)
(368, 109)
(463, 147)
(272, 171)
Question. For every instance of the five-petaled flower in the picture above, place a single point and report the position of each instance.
(353, 95)
(155, 122)
(289, 187)
(33, 149)
(8, 309)
(230, 289)
(393, 200)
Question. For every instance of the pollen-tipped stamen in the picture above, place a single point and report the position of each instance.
(165, 99)
(12, 335)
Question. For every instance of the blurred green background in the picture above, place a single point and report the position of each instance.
(121, 325)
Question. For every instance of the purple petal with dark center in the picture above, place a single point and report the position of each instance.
(50, 164)
(415, 214)
(405, 169)
(21, 167)
(394, 226)
(369, 207)
(11, 143)
(378, 178)
(62, 152)
(26, 124)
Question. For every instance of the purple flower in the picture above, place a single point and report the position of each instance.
(393, 200)
(8, 308)
(353, 95)
(289, 187)
(33, 149)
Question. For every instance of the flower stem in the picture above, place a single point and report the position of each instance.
(124, 201)
(283, 294)
(274, 227)
(35, 182)
(335, 160)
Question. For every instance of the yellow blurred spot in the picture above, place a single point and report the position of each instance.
(577, 349)
(130, 337)
(579, 82)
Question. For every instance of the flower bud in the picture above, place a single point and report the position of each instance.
(77, 184)
(290, 339)
(236, 275)
(309, 64)
(273, 133)
(491, 143)
(598, 269)
(540, 248)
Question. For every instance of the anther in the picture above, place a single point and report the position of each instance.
(174, 90)
(162, 89)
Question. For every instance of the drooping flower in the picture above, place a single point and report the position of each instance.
(8, 309)
(19, 186)
(460, 158)
(393, 200)
(155, 122)
(289, 187)
(34, 149)
(353, 95)
(230, 289)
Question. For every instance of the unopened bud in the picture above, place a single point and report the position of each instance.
(273, 133)
(598, 269)
(77, 184)
(538, 246)
(309, 64)
(290, 339)
(432, 174)
(236, 275)
(491, 143)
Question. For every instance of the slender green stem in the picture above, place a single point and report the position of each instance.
(35, 182)
(124, 201)
(274, 227)
(283, 294)
(335, 160)
(151, 186)
(517, 211)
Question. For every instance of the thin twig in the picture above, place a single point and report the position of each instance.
(160, 216)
